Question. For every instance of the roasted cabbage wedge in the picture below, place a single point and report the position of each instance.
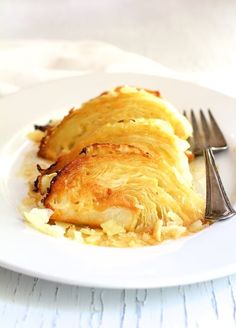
(153, 136)
(125, 185)
(120, 173)
(122, 103)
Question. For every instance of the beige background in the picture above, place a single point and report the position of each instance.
(186, 35)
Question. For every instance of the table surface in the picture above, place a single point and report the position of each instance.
(31, 302)
(187, 36)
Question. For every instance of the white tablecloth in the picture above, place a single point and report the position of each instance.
(23, 63)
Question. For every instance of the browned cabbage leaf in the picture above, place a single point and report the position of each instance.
(120, 182)
(123, 103)
(153, 136)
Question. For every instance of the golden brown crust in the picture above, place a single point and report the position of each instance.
(123, 103)
(44, 150)
(102, 196)
(120, 183)
(153, 136)
(43, 181)
(118, 89)
(92, 149)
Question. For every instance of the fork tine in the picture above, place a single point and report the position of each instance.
(197, 138)
(206, 130)
(190, 139)
(219, 137)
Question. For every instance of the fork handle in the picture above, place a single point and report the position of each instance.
(218, 206)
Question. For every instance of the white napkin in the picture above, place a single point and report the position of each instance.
(23, 63)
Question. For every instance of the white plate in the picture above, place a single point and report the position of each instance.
(206, 255)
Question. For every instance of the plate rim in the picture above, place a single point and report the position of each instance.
(190, 280)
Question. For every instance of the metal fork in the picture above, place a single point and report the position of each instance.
(207, 137)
